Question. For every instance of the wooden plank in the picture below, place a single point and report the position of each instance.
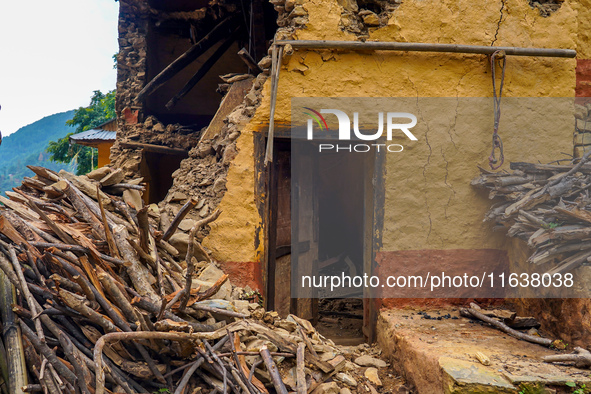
(306, 305)
(249, 61)
(374, 201)
(259, 49)
(272, 244)
(231, 100)
(155, 148)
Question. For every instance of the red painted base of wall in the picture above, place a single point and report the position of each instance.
(583, 88)
(245, 274)
(451, 261)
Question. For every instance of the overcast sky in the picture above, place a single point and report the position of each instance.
(53, 55)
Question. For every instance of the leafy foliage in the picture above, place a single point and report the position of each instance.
(27, 147)
(100, 110)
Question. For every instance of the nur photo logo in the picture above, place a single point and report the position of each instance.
(391, 124)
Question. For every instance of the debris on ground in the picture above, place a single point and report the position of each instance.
(466, 355)
(106, 304)
(508, 324)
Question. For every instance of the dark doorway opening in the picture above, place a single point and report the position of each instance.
(320, 221)
(156, 168)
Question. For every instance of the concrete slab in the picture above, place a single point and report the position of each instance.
(435, 353)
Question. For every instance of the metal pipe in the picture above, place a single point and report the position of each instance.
(422, 47)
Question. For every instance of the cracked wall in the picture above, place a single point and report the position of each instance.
(430, 205)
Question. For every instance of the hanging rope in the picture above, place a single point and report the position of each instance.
(497, 142)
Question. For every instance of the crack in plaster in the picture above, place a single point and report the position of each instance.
(428, 159)
(498, 23)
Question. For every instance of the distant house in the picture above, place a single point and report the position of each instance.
(102, 137)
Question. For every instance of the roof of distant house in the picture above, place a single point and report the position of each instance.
(99, 134)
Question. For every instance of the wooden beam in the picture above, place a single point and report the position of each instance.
(257, 40)
(249, 61)
(203, 70)
(230, 101)
(425, 47)
(155, 148)
(189, 56)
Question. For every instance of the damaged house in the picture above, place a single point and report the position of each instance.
(192, 135)
(222, 104)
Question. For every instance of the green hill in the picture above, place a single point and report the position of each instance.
(27, 146)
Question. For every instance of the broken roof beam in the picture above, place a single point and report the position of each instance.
(222, 29)
(249, 61)
(155, 148)
(423, 47)
(203, 70)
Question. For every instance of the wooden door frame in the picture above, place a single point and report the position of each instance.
(374, 223)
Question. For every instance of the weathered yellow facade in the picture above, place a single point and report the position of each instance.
(429, 201)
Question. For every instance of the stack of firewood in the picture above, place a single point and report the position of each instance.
(103, 303)
(546, 205)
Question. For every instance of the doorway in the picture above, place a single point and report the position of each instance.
(321, 216)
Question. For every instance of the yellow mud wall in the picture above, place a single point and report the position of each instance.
(232, 235)
(433, 206)
(104, 150)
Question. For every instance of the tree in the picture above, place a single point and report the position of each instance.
(100, 110)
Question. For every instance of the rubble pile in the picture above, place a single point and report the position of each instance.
(203, 174)
(105, 304)
(546, 205)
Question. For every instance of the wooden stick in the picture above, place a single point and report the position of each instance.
(83, 377)
(34, 267)
(219, 363)
(125, 336)
(503, 327)
(76, 198)
(54, 227)
(307, 341)
(581, 357)
(114, 314)
(47, 353)
(219, 311)
(277, 55)
(26, 293)
(76, 248)
(127, 186)
(426, 47)
(273, 371)
(147, 305)
(31, 388)
(136, 271)
(17, 369)
(166, 306)
(189, 205)
(8, 270)
(190, 259)
(194, 366)
(78, 305)
(274, 354)
(241, 377)
(117, 296)
(34, 363)
(302, 387)
(108, 234)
